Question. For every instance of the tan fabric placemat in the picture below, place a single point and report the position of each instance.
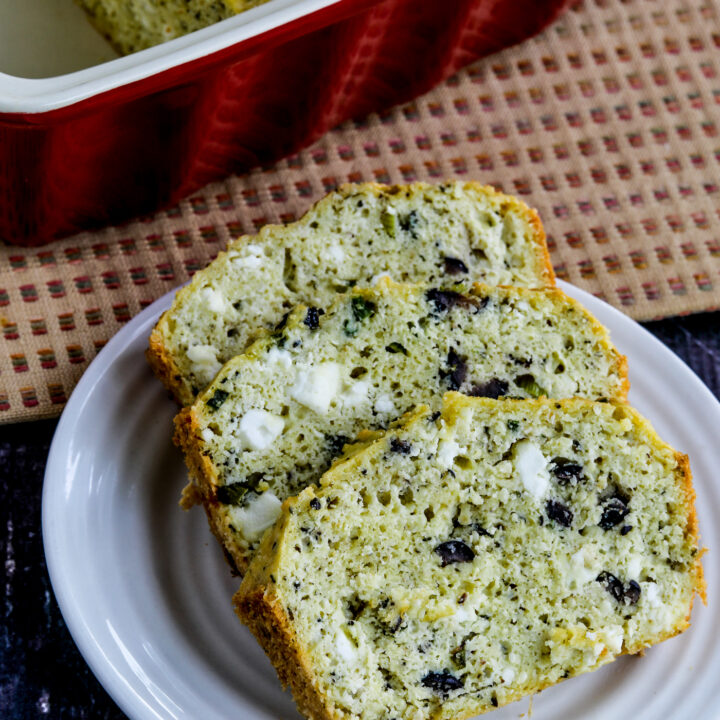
(608, 123)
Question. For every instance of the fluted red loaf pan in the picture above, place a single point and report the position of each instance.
(135, 134)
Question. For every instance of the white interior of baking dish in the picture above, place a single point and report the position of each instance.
(51, 57)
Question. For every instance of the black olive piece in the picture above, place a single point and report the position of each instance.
(336, 443)
(400, 446)
(312, 317)
(614, 510)
(456, 371)
(625, 529)
(315, 504)
(632, 593)
(558, 512)
(454, 266)
(218, 398)
(566, 471)
(408, 223)
(454, 551)
(442, 682)
(612, 585)
(493, 388)
(283, 321)
(444, 300)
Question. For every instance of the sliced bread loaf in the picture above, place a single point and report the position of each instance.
(417, 233)
(132, 25)
(275, 417)
(469, 558)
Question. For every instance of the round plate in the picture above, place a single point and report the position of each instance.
(146, 593)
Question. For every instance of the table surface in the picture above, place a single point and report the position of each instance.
(42, 674)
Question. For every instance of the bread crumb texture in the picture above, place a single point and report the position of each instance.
(464, 560)
(132, 25)
(274, 418)
(439, 234)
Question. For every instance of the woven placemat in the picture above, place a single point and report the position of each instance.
(607, 123)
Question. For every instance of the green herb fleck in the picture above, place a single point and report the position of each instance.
(396, 347)
(362, 309)
(529, 385)
(232, 494)
(218, 398)
(458, 656)
(389, 222)
(513, 425)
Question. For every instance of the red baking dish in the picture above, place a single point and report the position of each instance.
(134, 134)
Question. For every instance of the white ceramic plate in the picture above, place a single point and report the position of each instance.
(146, 593)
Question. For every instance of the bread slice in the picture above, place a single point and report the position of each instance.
(416, 233)
(274, 418)
(132, 25)
(469, 558)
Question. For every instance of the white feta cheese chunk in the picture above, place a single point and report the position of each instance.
(634, 565)
(448, 450)
(215, 301)
(651, 593)
(317, 386)
(251, 257)
(345, 648)
(257, 516)
(356, 393)
(385, 404)
(258, 429)
(581, 570)
(204, 358)
(334, 253)
(279, 357)
(462, 614)
(207, 435)
(251, 262)
(531, 467)
(613, 637)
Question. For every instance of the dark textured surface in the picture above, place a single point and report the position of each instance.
(41, 672)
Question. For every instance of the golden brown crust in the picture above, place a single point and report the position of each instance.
(204, 479)
(271, 627)
(683, 462)
(163, 365)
